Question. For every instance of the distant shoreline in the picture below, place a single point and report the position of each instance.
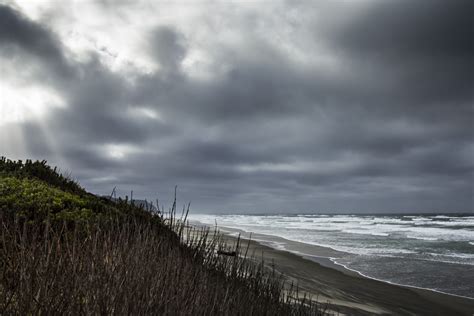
(464, 213)
(349, 291)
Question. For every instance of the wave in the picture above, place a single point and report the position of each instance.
(422, 229)
(456, 255)
(423, 238)
(365, 232)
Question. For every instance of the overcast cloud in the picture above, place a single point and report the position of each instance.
(281, 106)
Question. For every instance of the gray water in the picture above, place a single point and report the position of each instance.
(427, 251)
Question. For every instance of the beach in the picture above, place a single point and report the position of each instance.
(346, 292)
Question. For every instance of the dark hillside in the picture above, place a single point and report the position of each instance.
(66, 251)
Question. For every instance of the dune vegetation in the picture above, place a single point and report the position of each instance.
(66, 251)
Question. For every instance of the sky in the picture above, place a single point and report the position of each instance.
(247, 106)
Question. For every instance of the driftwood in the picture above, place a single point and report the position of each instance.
(226, 253)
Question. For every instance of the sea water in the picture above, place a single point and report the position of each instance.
(428, 251)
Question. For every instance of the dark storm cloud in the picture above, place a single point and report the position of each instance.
(98, 108)
(246, 90)
(96, 98)
(397, 30)
(167, 47)
(388, 129)
(19, 35)
(424, 49)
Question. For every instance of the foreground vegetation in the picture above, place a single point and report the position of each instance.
(66, 251)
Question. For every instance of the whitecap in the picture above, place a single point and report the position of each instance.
(422, 238)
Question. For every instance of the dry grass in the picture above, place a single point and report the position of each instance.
(133, 267)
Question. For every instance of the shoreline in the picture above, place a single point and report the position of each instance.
(321, 259)
(405, 285)
(347, 291)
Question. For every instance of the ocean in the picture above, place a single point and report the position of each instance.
(427, 251)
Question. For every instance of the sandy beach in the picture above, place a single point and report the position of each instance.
(346, 292)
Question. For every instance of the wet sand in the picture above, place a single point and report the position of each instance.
(346, 292)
